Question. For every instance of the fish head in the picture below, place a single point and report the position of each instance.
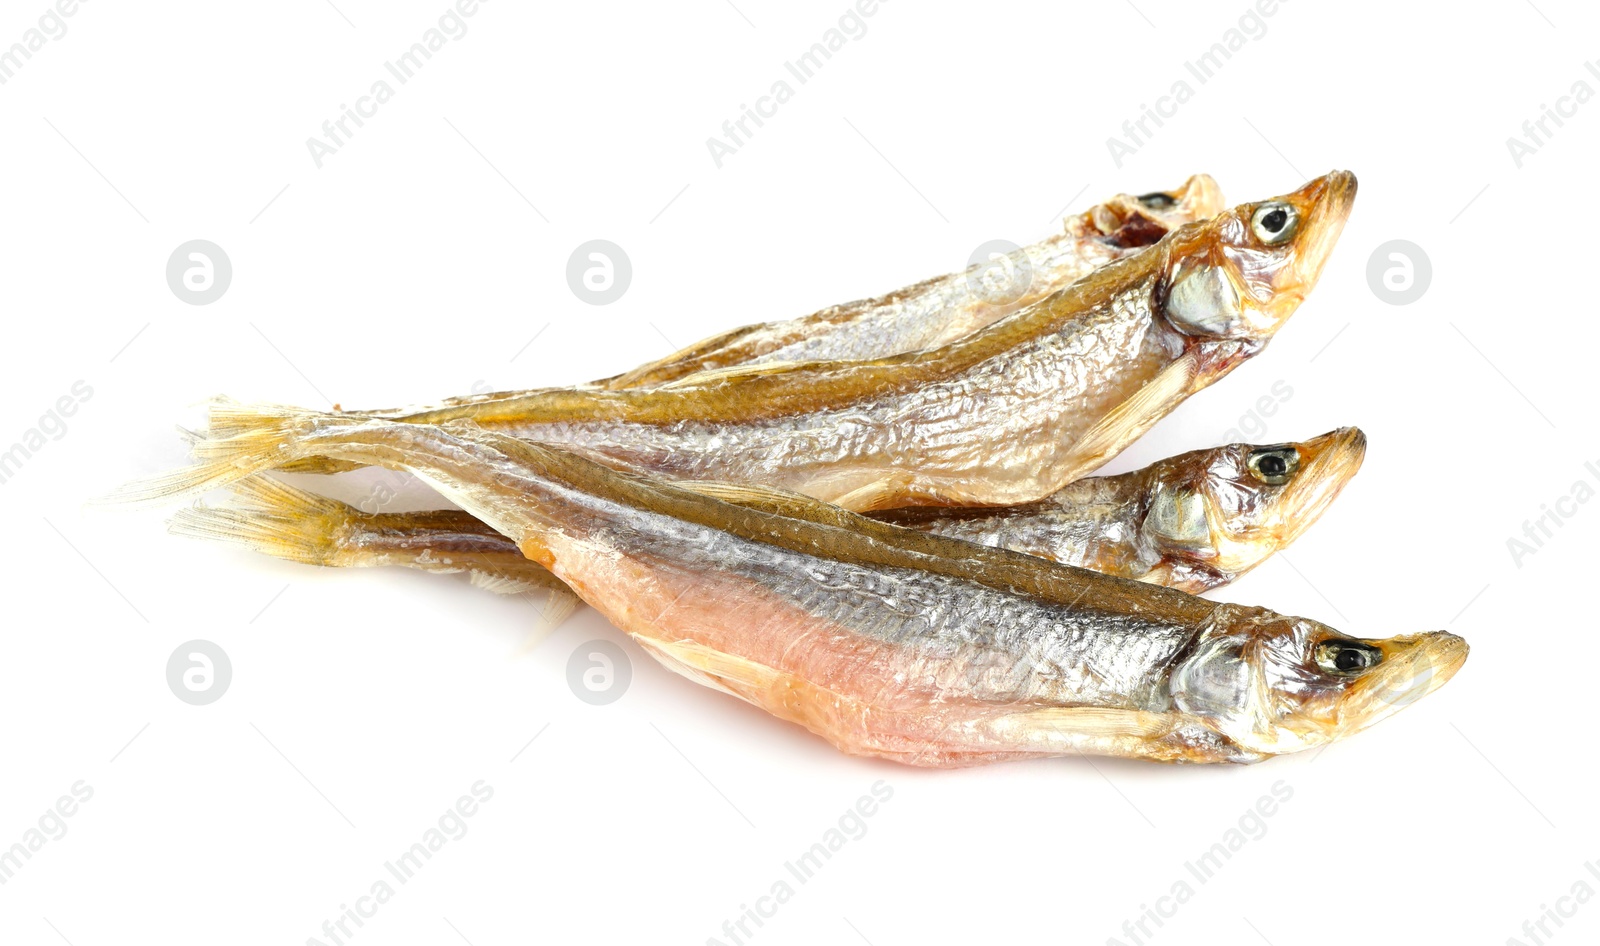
(1127, 222)
(1239, 275)
(1230, 507)
(1274, 684)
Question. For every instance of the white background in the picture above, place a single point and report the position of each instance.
(408, 268)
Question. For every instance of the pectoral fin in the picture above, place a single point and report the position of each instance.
(735, 676)
(1130, 419)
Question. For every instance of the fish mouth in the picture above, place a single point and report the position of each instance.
(1327, 463)
(1324, 206)
(1278, 283)
(1226, 281)
(1412, 667)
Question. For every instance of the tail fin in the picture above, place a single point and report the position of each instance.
(258, 439)
(270, 517)
(226, 417)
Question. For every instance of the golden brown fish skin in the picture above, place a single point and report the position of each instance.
(927, 314)
(942, 309)
(1008, 414)
(885, 641)
(1193, 522)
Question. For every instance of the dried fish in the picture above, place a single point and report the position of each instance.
(935, 311)
(940, 310)
(1007, 414)
(1193, 522)
(886, 641)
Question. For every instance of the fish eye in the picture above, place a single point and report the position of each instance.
(1274, 466)
(1346, 656)
(1157, 201)
(1274, 222)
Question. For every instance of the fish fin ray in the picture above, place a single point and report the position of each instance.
(1130, 419)
(308, 537)
(500, 584)
(559, 604)
(266, 494)
(259, 438)
(711, 667)
(882, 493)
(1096, 722)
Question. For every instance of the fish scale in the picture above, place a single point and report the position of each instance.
(1006, 414)
(883, 640)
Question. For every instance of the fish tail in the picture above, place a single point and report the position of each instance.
(226, 417)
(269, 516)
(468, 465)
(273, 518)
(250, 441)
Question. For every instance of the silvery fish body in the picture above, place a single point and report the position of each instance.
(1007, 414)
(1194, 522)
(938, 311)
(884, 641)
